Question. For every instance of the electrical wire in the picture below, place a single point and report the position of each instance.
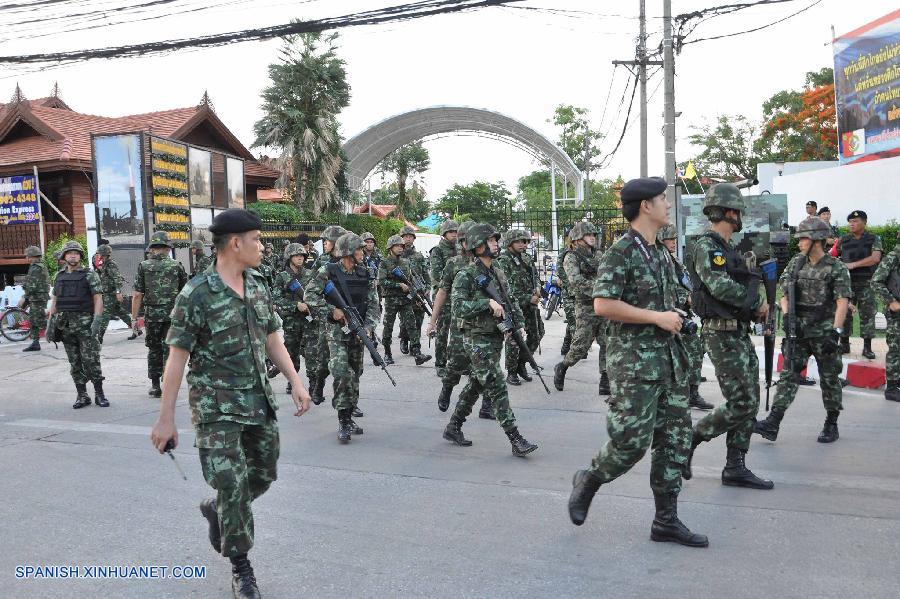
(746, 31)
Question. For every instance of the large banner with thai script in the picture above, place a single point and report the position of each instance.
(867, 90)
(19, 200)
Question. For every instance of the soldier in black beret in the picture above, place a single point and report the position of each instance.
(645, 188)
(861, 252)
(811, 208)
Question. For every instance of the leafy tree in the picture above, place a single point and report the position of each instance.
(300, 107)
(727, 148)
(575, 133)
(534, 191)
(405, 162)
(486, 200)
(418, 206)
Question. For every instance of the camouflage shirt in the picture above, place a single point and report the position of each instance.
(284, 299)
(580, 265)
(226, 337)
(37, 284)
(201, 264)
(520, 273)
(390, 285)
(159, 278)
(889, 265)
(110, 277)
(641, 275)
(440, 253)
(471, 305)
(561, 273)
(314, 296)
(418, 263)
(818, 287)
(715, 277)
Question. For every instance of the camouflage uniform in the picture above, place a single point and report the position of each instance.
(440, 254)
(317, 343)
(287, 292)
(567, 300)
(863, 297)
(419, 267)
(111, 280)
(37, 292)
(201, 262)
(396, 302)
(890, 267)
(232, 404)
(522, 276)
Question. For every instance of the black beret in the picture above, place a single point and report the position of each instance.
(811, 203)
(644, 188)
(823, 210)
(858, 214)
(302, 238)
(235, 220)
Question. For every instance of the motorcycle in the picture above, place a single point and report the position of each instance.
(552, 295)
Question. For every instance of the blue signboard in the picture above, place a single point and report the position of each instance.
(19, 200)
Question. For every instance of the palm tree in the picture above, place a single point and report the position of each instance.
(405, 162)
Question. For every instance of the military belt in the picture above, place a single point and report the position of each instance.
(722, 324)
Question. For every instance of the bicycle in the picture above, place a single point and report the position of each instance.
(14, 324)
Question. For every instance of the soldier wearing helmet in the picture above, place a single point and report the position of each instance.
(524, 289)
(76, 312)
(886, 283)
(822, 287)
(726, 297)
(112, 281)
(37, 292)
(398, 301)
(568, 301)
(345, 350)
(483, 339)
(438, 257)
(419, 267)
(372, 257)
(200, 260)
(580, 265)
(287, 296)
(861, 251)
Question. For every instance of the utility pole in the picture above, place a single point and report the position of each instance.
(587, 167)
(669, 115)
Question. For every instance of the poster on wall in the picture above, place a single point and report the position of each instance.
(201, 219)
(200, 169)
(867, 91)
(119, 190)
(235, 170)
(19, 200)
(169, 184)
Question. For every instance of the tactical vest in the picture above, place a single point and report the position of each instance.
(356, 284)
(160, 281)
(73, 293)
(485, 322)
(707, 306)
(815, 291)
(854, 250)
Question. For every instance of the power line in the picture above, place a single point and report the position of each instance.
(736, 33)
(605, 160)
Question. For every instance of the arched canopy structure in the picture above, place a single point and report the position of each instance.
(368, 148)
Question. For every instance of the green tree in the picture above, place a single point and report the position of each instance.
(727, 148)
(534, 191)
(405, 162)
(418, 206)
(575, 134)
(488, 201)
(308, 90)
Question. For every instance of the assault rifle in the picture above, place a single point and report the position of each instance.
(416, 289)
(355, 325)
(294, 286)
(508, 325)
(770, 281)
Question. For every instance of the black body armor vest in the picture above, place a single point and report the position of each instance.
(72, 292)
(707, 306)
(853, 250)
(356, 284)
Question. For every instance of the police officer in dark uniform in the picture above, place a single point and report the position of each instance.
(861, 251)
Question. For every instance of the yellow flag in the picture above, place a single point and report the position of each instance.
(690, 172)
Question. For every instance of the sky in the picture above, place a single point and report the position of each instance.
(522, 63)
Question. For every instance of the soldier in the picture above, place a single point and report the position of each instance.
(345, 349)
(397, 301)
(668, 236)
(311, 253)
(111, 280)
(822, 288)
(726, 297)
(288, 299)
(886, 283)
(483, 340)
(637, 291)
(76, 312)
(861, 252)
(524, 290)
(372, 256)
(37, 292)
(201, 260)
(825, 214)
(440, 254)
(568, 301)
(420, 270)
(156, 285)
(580, 265)
(269, 255)
(811, 207)
(317, 345)
(224, 322)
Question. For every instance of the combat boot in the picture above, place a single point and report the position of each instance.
(603, 388)
(487, 409)
(208, 509)
(355, 429)
(667, 527)
(421, 358)
(867, 352)
(243, 581)
(845, 345)
(35, 346)
(584, 487)
(155, 389)
(83, 400)
(520, 445)
(566, 344)
(404, 346)
(736, 473)
(892, 391)
(344, 430)
(453, 432)
(696, 401)
(686, 472)
(357, 413)
(513, 379)
(768, 428)
(523, 371)
(316, 387)
(388, 358)
(272, 371)
(444, 397)
(99, 396)
(134, 335)
(559, 375)
(830, 432)
(288, 388)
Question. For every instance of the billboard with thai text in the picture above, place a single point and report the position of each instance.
(19, 200)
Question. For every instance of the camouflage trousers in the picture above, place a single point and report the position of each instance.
(892, 360)
(829, 364)
(295, 341)
(440, 346)
(534, 332)
(82, 348)
(588, 328)
(486, 378)
(112, 307)
(646, 415)
(345, 361)
(316, 349)
(240, 462)
(37, 317)
(458, 359)
(417, 331)
(696, 347)
(157, 348)
(392, 308)
(864, 300)
(569, 311)
(737, 368)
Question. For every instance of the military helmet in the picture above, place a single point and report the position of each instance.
(448, 226)
(514, 235)
(480, 233)
(580, 229)
(394, 240)
(367, 236)
(160, 239)
(197, 245)
(332, 232)
(723, 195)
(407, 230)
(71, 246)
(667, 232)
(814, 228)
(104, 250)
(33, 251)
(464, 229)
(294, 249)
(347, 243)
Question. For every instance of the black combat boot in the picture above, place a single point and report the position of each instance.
(35, 346)
(357, 413)
(316, 387)
(444, 397)
(845, 345)
(736, 473)
(667, 527)
(243, 582)
(420, 357)
(566, 344)
(208, 509)
(805, 381)
(768, 428)
(695, 400)
(867, 352)
(344, 426)
(453, 432)
(134, 335)
(155, 389)
(523, 371)
(388, 358)
(99, 396)
(520, 445)
(83, 400)
(272, 371)
(603, 388)
(355, 429)
(487, 409)
(559, 376)
(404, 346)
(830, 432)
(288, 388)
(892, 391)
(513, 379)
(584, 487)
(686, 472)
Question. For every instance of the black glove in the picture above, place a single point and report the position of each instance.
(832, 342)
